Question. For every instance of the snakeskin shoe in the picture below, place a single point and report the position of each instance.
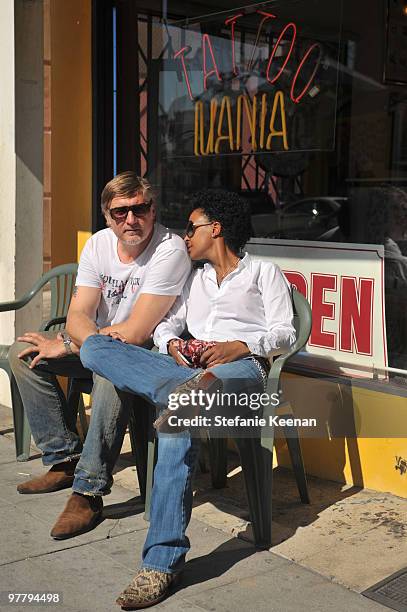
(147, 588)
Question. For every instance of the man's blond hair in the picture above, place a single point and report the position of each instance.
(125, 185)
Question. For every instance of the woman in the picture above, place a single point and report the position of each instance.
(242, 308)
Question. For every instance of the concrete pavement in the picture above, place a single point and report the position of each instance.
(223, 573)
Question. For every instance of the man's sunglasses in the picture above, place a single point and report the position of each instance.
(191, 228)
(139, 210)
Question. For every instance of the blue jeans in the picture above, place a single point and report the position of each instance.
(53, 424)
(154, 376)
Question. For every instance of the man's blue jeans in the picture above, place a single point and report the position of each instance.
(53, 424)
(155, 376)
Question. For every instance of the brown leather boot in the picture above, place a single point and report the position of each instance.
(204, 381)
(60, 476)
(81, 513)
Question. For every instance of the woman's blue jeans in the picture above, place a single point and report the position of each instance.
(154, 376)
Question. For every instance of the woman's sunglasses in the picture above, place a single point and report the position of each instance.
(191, 228)
(139, 210)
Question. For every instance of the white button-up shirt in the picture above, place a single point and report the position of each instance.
(252, 304)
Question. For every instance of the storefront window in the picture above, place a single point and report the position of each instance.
(300, 107)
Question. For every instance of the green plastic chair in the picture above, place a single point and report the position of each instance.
(257, 453)
(62, 282)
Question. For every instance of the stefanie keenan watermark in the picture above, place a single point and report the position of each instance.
(229, 410)
(240, 421)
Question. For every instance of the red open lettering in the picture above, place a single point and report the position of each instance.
(321, 310)
(356, 315)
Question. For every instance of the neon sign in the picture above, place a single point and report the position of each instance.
(252, 79)
(207, 46)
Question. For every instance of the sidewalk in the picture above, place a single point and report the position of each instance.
(223, 572)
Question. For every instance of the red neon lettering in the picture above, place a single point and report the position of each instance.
(294, 98)
(181, 54)
(274, 79)
(207, 41)
(356, 315)
(322, 310)
(298, 280)
(232, 22)
(266, 16)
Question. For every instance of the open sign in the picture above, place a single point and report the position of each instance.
(344, 286)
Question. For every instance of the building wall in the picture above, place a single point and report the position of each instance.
(7, 166)
(54, 128)
(69, 157)
(21, 168)
(47, 199)
(29, 114)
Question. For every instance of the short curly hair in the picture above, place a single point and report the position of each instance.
(230, 210)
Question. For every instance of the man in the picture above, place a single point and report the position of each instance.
(239, 310)
(129, 276)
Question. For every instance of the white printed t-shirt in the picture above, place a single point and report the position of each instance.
(161, 269)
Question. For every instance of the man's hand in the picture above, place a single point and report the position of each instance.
(46, 348)
(224, 352)
(108, 331)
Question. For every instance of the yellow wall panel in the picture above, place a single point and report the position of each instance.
(82, 238)
(71, 110)
(373, 457)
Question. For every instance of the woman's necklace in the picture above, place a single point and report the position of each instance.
(221, 277)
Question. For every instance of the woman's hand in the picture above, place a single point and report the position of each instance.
(175, 354)
(46, 348)
(224, 352)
